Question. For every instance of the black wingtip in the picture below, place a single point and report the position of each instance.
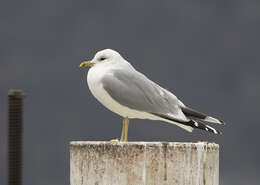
(192, 123)
(222, 122)
(199, 125)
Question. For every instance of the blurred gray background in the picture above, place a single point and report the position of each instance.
(206, 52)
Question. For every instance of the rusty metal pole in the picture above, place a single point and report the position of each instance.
(15, 136)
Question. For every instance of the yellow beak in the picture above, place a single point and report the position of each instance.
(86, 64)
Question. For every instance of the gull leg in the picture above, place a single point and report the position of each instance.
(126, 128)
(123, 131)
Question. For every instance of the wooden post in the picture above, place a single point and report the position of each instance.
(144, 163)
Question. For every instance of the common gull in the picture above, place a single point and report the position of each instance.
(116, 84)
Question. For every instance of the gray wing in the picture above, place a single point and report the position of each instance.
(134, 90)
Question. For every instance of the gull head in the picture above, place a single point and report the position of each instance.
(103, 56)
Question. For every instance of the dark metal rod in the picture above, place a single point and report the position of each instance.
(15, 137)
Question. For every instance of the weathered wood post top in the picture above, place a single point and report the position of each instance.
(144, 163)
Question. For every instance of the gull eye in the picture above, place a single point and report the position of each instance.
(102, 58)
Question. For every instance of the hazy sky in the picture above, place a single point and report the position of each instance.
(206, 52)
